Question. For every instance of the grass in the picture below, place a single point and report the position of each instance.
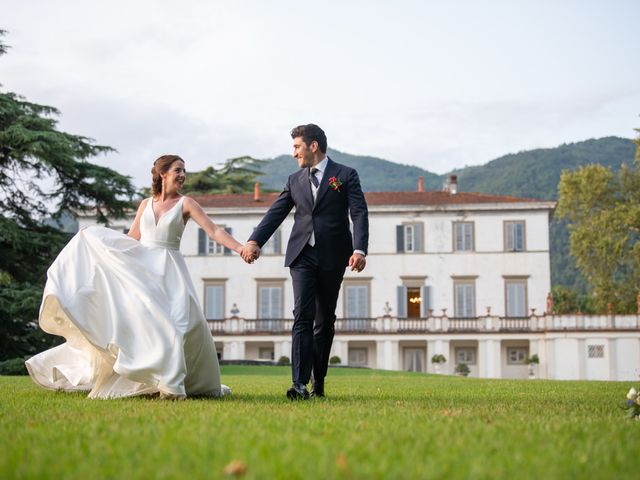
(373, 424)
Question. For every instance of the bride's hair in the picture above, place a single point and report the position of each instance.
(161, 165)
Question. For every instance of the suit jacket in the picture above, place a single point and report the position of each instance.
(328, 217)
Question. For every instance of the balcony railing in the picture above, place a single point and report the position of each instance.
(436, 324)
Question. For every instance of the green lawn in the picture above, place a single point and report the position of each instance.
(373, 424)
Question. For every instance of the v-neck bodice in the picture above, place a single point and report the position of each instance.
(168, 230)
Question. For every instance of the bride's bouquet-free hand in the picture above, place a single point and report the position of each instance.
(633, 404)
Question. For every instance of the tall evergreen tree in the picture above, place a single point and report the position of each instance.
(43, 173)
(236, 175)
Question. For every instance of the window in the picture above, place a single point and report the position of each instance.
(273, 245)
(214, 300)
(516, 297)
(463, 236)
(517, 355)
(514, 239)
(265, 353)
(356, 301)
(466, 355)
(269, 301)
(464, 298)
(414, 359)
(358, 357)
(596, 351)
(206, 246)
(409, 238)
(414, 298)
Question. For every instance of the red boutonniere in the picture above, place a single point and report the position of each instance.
(335, 183)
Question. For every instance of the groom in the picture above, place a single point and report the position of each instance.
(325, 194)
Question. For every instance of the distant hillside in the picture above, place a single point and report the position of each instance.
(536, 173)
(531, 174)
(376, 174)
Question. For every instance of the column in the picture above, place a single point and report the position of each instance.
(387, 355)
(340, 348)
(489, 359)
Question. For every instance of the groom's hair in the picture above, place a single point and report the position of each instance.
(309, 133)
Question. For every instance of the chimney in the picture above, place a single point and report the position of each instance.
(421, 183)
(256, 192)
(453, 184)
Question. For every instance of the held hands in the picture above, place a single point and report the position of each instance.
(357, 262)
(250, 252)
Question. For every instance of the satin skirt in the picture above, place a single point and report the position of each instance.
(131, 320)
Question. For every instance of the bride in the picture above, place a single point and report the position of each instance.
(127, 307)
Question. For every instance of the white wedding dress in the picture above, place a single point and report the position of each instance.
(130, 315)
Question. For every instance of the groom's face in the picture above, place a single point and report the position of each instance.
(305, 154)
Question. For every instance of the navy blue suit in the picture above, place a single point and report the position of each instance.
(317, 271)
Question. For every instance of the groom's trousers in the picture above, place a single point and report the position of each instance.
(315, 293)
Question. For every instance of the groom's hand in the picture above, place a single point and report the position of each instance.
(357, 262)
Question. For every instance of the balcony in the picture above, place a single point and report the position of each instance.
(436, 324)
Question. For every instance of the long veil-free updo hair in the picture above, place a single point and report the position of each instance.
(161, 165)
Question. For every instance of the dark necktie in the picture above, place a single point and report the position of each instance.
(312, 177)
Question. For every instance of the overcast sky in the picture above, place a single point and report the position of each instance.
(437, 84)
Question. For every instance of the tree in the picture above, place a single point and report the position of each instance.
(43, 173)
(237, 175)
(603, 210)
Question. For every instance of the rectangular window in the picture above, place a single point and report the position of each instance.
(356, 301)
(265, 353)
(463, 236)
(269, 301)
(464, 298)
(517, 355)
(358, 357)
(273, 245)
(214, 248)
(206, 246)
(516, 297)
(596, 351)
(409, 238)
(214, 301)
(466, 355)
(514, 238)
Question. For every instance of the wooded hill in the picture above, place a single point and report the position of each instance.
(530, 174)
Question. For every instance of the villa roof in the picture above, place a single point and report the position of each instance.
(433, 198)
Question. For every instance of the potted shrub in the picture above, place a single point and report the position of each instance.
(438, 359)
(335, 360)
(532, 361)
(284, 361)
(462, 369)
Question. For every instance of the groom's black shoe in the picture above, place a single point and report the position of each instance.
(298, 391)
(318, 388)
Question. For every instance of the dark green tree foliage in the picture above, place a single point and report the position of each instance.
(43, 172)
(237, 175)
(568, 301)
(603, 210)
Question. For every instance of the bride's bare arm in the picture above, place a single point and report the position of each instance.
(219, 235)
(134, 231)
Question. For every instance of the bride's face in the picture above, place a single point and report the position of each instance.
(174, 178)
